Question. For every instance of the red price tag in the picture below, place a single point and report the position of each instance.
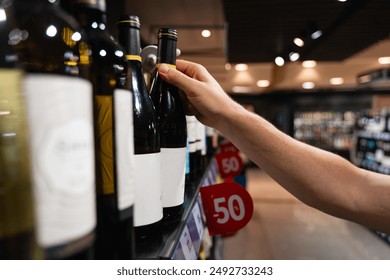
(228, 207)
(229, 164)
(228, 147)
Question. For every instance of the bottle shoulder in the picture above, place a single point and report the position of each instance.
(104, 46)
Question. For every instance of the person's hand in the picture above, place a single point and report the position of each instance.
(208, 101)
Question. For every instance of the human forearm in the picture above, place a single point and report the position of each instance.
(318, 178)
(312, 175)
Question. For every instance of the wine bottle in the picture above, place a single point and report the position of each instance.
(148, 206)
(58, 98)
(114, 137)
(17, 221)
(173, 129)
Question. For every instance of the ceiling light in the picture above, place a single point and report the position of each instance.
(228, 66)
(263, 83)
(316, 34)
(308, 85)
(342, 0)
(336, 81)
(206, 33)
(384, 60)
(241, 67)
(294, 56)
(241, 89)
(299, 42)
(279, 61)
(309, 63)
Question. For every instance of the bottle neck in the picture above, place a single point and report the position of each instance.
(129, 38)
(166, 51)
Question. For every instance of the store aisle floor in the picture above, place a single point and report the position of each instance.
(282, 227)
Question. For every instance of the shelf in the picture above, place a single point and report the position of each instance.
(376, 135)
(183, 240)
(373, 158)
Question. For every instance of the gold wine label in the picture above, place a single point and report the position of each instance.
(104, 120)
(170, 65)
(16, 198)
(133, 57)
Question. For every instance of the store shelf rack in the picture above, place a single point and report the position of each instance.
(371, 151)
(183, 240)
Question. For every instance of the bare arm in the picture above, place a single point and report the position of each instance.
(318, 178)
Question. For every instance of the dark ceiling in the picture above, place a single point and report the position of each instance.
(258, 31)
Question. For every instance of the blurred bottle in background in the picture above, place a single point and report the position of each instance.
(58, 98)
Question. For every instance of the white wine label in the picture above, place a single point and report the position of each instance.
(148, 194)
(60, 121)
(200, 137)
(173, 167)
(124, 142)
(191, 133)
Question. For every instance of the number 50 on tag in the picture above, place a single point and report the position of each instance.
(228, 207)
(229, 164)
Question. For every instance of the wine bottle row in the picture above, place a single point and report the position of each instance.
(93, 165)
(371, 148)
(327, 130)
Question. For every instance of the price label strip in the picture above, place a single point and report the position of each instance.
(228, 207)
(198, 220)
(212, 174)
(186, 249)
(192, 233)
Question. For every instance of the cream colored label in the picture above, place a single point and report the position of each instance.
(191, 133)
(173, 167)
(124, 143)
(62, 147)
(148, 193)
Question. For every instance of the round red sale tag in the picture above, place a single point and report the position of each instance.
(228, 207)
(228, 147)
(229, 164)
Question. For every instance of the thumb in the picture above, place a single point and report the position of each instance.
(177, 78)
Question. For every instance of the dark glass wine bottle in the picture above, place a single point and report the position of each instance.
(17, 222)
(173, 129)
(58, 98)
(148, 206)
(114, 135)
